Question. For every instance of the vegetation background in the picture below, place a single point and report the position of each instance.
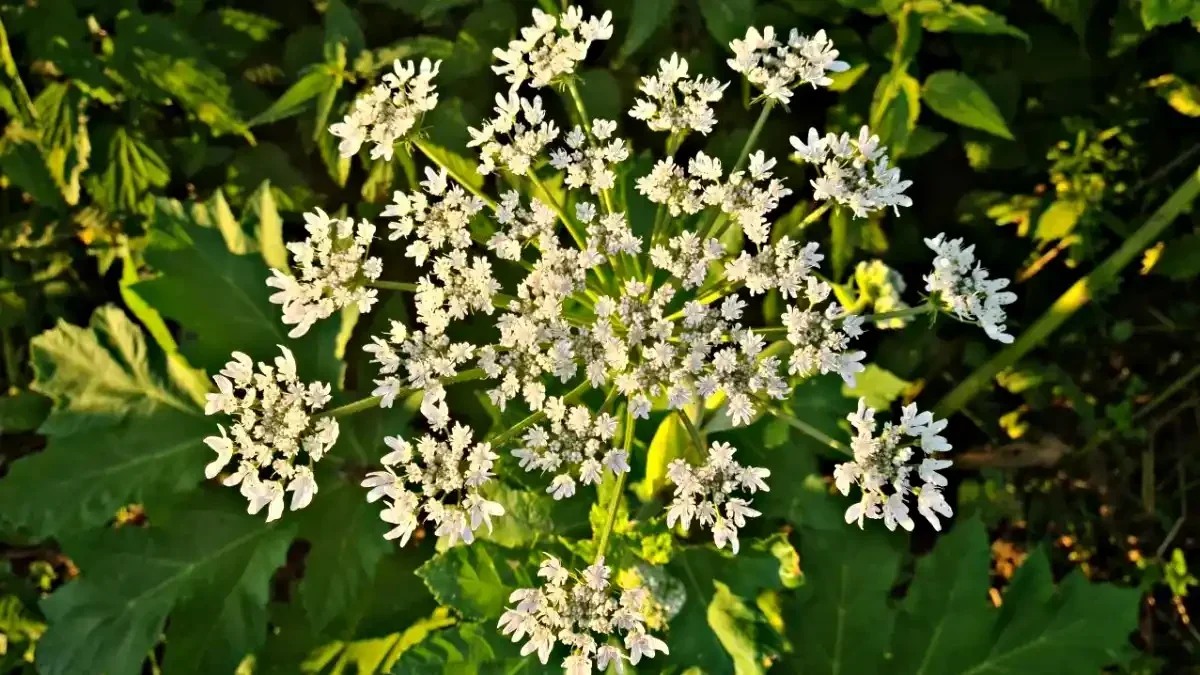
(156, 155)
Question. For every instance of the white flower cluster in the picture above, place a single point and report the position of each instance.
(704, 493)
(688, 258)
(580, 612)
(389, 111)
(334, 271)
(747, 196)
(888, 459)
(439, 220)
(428, 359)
(514, 137)
(439, 478)
(551, 48)
(589, 163)
(689, 110)
(609, 234)
(776, 68)
(854, 172)
(963, 287)
(820, 340)
(575, 443)
(274, 436)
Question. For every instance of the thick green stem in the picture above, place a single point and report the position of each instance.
(614, 504)
(394, 286)
(1078, 295)
(809, 430)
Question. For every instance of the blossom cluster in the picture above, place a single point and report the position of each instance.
(705, 494)
(274, 437)
(963, 287)
(690, 109)
(778, 67)
(580, 612)
(574, 443)
(551, 48)
(439, 478)
(854, 172)
(390, 111)
(884, 463)
(334, 272)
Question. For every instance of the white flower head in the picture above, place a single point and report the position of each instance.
(962, 286)
(274, 438)
(674, 103)
(706, 494)
(777, 68)
(884, 463)
(854, 172)
(581, 611)
(333, 271)
(551, 48)
(390, 111)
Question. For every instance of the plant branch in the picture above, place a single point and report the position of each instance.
(1078, 295)
(615, 504)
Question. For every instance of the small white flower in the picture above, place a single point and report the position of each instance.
(776, 67)
(691, 110)
(390, 111)
(551, 48)
(705, 493)
(962, 286)
(854, 173)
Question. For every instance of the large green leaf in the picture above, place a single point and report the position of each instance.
(221, 299)
(895, 108)
(65, 143)
(346, 536)
(954, 17)
(718, 626)
(648, 16)
(1165, 12)
(212, 561)
(466, 649)
(476, 580)
(841, 626)
(959, 99)
(128, 171)
(947, 620)
(126, 424)
(727, 19)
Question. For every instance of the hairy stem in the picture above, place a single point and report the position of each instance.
(618, 492)
(1078, 295)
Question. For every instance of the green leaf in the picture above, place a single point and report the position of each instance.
(1059, 220)
(65, 143)
(297, 97)
(23, 411)
(160, 58)
(1180, 94)
(842, 624)
(214, 561)
(263, 219)
(342, 28)
(466, 649)
(953, 17)
(647, 17)
(533, 515)
(923, 140)
(1165, 12)
(670, 442)
(878, 385)
(195, 266)
(727, 19)
(22, 162)
(126, 425)
(1077, 629)
(347, 541)
(947, 620)
(721, 588)
(959, 99)
(601, 94)
(129, 170)
(476, 580)
(895, 107)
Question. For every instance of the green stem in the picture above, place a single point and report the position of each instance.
(1078, 295)
(697, 440)
(619, 491)
(809, 430)
(455, 174)
(741, 159)
(372, 401)
(812, 217)
(394, 286)
(923, 308)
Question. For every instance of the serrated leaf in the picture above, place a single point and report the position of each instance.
(466, 649)
(262, 218)
(213, 561)
(954, 17)
(126, 425)
(530, 516)
(347, 541)
(129, 170)
(647, 17)
(843, 621)
(1165, 12)
(476, 580)
(947, 620)
(22, 162)
(65, 142)
(196, 266)
(959, 99)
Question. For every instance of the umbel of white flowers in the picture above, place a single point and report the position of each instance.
(650, 318)
(580, 612)
(273, 438)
